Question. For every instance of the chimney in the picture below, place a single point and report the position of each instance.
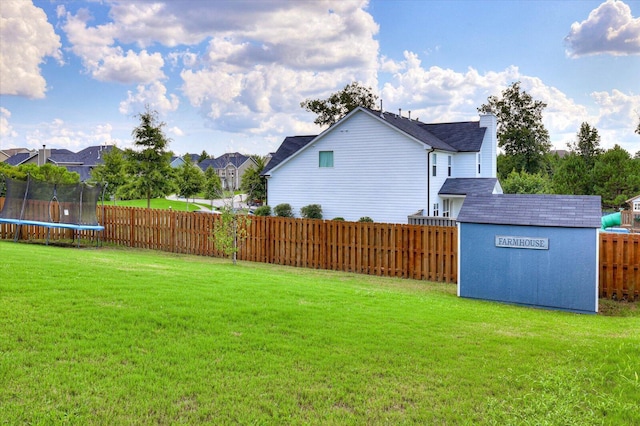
(490, 122)
(43, 155)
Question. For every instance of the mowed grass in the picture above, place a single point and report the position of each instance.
(157, 203)
(114, 336)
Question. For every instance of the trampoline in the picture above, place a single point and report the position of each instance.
(37, 203)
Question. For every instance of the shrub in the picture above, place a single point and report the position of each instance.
(340, 219)
(263, 211)
(365, 219)
(312, 211)
(283, 210)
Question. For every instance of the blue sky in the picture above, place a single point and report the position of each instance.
(230, 75)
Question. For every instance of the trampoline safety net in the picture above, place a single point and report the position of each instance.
(36, 201)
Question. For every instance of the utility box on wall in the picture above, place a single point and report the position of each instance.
(535, 250)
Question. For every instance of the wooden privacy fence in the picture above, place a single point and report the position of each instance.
(417, 252)
(410, 251)
(620, 266)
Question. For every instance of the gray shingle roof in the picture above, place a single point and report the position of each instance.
(289, 146)
(221, 162)
(413, 128)
(570, 211)
(464, 136)
(18, 159)
(466, 186)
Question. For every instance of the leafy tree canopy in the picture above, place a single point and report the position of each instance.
(111, 172)
(189, 179)
(149, 164)
(520, 132)
(587, 144)
(254, 185)
(339, 104)
(212, 185)
(616, 177)
(526, 183)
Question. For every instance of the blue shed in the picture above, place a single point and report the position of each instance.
(535, 250)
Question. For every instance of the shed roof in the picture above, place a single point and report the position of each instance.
(569, 211)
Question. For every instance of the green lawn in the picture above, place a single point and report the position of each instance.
(157, 203)
(114, 336)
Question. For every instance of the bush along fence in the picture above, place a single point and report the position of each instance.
(409, 251)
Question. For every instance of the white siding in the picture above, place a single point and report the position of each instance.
(438, 180)
(489, 150)
(464, 165)
(378, 172)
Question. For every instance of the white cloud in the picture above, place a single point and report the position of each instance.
(154, 95)
(6, 130)
(27, 39)
(60, 135)
(175, 130)
(259, 60)
(439, 95)
(106, 62)
(609, 29)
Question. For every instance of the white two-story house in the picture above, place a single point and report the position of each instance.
(386, 167)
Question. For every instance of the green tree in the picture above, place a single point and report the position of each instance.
(212, 185)
(111, 172)
(525, 183)
(203, 156)
(339, 104)
(149, 164)
(49, 173)
(521, 133)
(616, 177)
(587, 144)
(572, 177)
(254, 185)
(189, 179)
(230, 228)
(573, 174)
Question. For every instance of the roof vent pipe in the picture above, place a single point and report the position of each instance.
(400, 112)
(381, 111)
(409, 114)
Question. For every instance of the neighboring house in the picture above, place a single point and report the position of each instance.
(179, 161)
(81, 162)
(385, 166)
(5, 154)
(634, 203)
(230, 167)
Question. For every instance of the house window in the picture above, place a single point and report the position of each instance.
(436, 209)
(326, 159)
(434, 167)
(448, 168)
(445, 208)
(478, 161)
(636, 206)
